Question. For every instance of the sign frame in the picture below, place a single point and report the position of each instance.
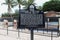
(31, 10)
(26, 26)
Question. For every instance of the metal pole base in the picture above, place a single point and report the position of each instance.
(32, 34)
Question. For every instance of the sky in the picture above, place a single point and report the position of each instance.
(3, 8)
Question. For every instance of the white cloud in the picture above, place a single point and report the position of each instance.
(40, 2)
(3, 8)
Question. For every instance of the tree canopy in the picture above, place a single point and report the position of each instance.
(51, 6)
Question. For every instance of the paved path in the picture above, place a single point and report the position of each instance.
(23, 36)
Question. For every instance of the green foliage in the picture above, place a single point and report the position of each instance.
(5, 15)
(27, 3)
(19, 2)
(12, 3)
(51, 5)
(16, 13)
(39, 7)
(54, 0)
(30, 1)
(13, 15)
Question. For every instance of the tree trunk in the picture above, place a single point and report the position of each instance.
(9, 11)
(18, 22)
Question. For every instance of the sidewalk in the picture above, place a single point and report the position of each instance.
(12, 35)
(24, 36)
(6, 38)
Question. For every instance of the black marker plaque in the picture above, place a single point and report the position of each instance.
(31, 20)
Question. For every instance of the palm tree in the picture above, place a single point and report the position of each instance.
(24, 2)
(19, 2)
(39, 7)
(27, 3)
(11, 4)
(30, 1)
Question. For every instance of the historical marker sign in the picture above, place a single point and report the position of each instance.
(31, 18)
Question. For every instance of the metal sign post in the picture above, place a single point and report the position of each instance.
(32, 34)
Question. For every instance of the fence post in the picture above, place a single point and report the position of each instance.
(15, 23)
(6, 25)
